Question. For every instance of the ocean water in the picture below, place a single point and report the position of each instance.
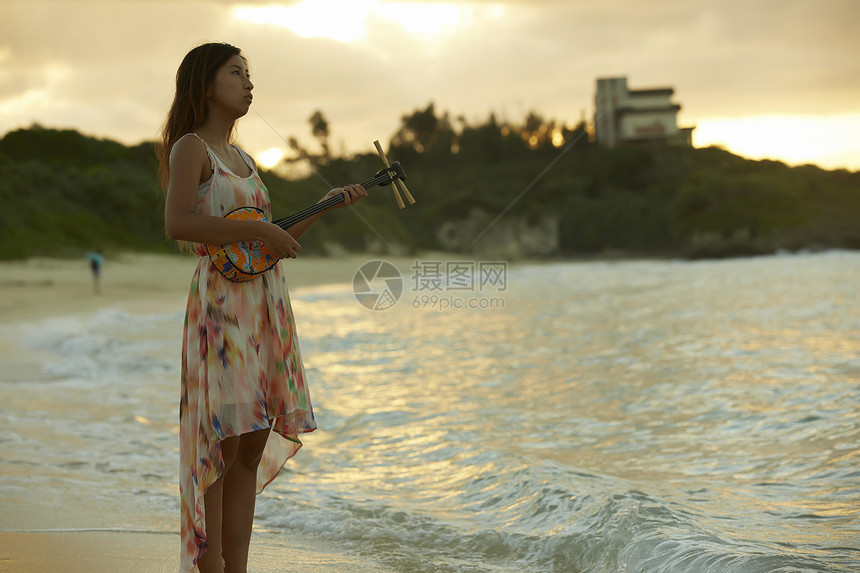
(590, 416)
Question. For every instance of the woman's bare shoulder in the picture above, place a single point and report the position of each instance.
(188, 148)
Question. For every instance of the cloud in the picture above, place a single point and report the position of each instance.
(108, 68)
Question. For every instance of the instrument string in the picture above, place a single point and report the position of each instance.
(288, 222)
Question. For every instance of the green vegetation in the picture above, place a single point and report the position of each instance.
(64, 193)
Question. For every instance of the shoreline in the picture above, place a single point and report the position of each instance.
(41, 288)
(37, 290)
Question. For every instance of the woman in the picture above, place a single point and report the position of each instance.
(244, 394)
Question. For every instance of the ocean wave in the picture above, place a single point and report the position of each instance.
(107, 346)
(628, 531)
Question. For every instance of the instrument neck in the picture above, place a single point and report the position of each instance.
(287, 222)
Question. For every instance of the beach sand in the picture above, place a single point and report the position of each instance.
(36, 288)
(124, 551)
(62, 539)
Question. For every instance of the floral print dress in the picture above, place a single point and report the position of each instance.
(241, 365)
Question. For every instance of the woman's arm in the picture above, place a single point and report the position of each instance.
(188, 165)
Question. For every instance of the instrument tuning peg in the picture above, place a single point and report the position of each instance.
(395, 183)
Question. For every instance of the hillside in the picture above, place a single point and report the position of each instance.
(64, 193)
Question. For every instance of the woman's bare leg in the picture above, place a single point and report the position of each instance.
(212, 561)
(239, 497)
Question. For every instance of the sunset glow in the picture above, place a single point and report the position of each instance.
(339, 20)
(346, 20)
(828, 141)
(270, 157)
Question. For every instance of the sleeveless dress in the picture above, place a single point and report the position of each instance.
(241, 365)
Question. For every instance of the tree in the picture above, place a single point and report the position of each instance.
(319, 129)
(419, 130)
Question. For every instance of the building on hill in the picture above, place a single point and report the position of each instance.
(624, 116)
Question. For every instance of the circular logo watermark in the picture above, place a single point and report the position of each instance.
(377, 285)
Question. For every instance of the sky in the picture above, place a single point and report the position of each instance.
(777, 79)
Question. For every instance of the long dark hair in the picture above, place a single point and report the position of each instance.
(195, 75)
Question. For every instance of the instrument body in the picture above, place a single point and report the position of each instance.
(245, 261)
(240, 262)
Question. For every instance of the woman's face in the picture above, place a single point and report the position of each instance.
(232, 87)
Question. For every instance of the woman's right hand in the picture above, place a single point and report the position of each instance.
(279, 242)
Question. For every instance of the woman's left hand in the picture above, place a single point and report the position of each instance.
(351, 194)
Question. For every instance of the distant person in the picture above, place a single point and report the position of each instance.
(244, 396)
(96, 261)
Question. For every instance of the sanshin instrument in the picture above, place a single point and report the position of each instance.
(240, 262)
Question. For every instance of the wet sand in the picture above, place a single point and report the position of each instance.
(132, 552)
